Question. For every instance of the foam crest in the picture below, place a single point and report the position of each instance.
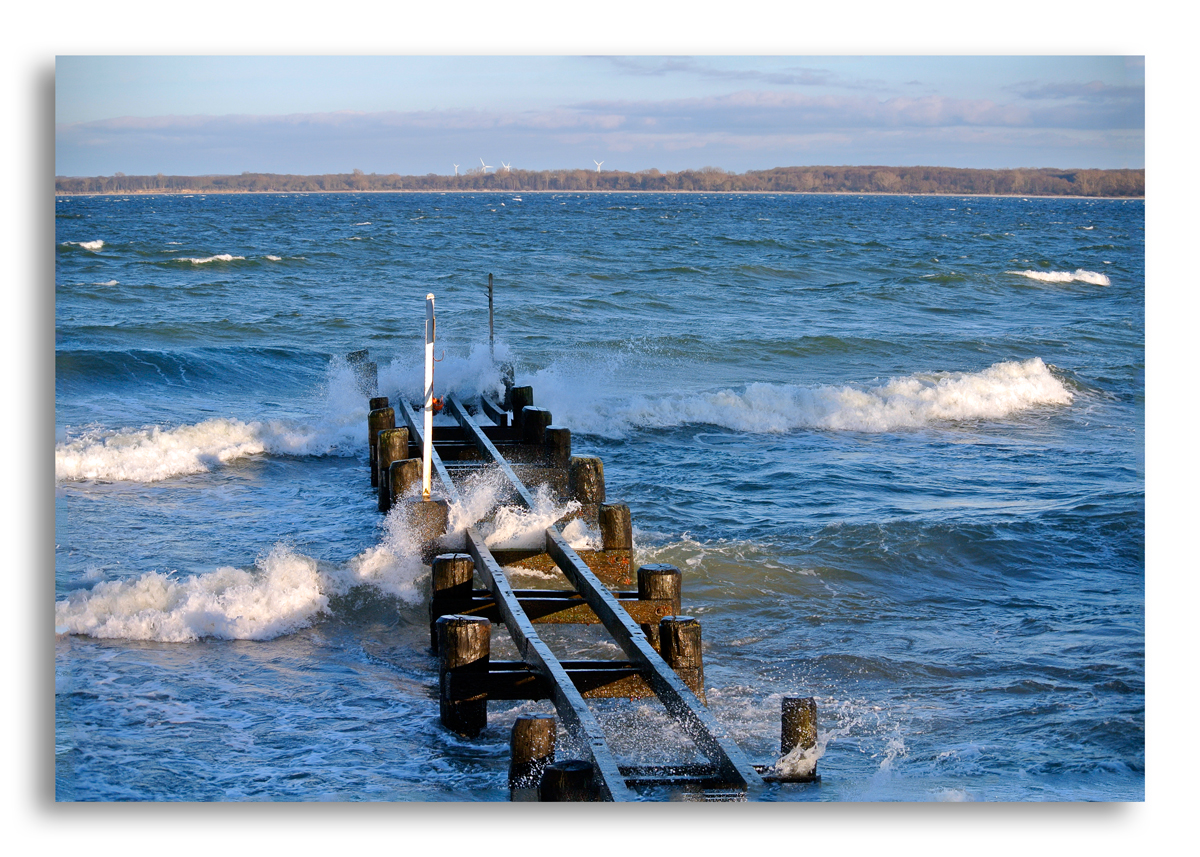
(94, 246)
(1079, 276)
(154, 453)
(280, 595)
(220, 257)
(913, 401)
(284, 592)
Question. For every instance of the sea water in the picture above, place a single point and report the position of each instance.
(896, 445)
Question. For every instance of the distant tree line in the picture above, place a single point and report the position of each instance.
(923, 180)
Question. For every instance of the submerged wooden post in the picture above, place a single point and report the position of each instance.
(366, 373)
(531, 748)
(658, 581)
(464, 650)
(379, 419)
(451, 579)
(558, 446)
(680, 641)
(568, 780)
(585, 479)
(798, 725)
(391, 446)
(616, 527)
(371, 376)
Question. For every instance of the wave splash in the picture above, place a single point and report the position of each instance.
(287, 591)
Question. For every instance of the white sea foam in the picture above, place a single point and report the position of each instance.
(280, 595)
(393, 567)
(1079, 276)
(87, 245)
(285, 590)
(220, 257)
(997, 392)
(154, 453)
(509, 526)
(468, 376)
(515, 527)
(274, 258)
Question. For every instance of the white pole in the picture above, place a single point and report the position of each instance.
(427, 463)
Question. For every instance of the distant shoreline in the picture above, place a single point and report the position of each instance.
(883, 181)
(581, 192)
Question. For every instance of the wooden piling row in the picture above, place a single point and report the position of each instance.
(665, 646)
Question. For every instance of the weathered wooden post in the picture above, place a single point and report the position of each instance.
(452, 579)
(798, 725)
(568, 780)
(429, 520)
(585, 479)
(464, 649)
(534, 422)
(531, 748)
(616, 527)
(366, 373)
(519, 398)
(507, 374)
(379, 419)
(402, 476)
(658, 581)
(558, 446)
(392, 445)
(371, 376)
(680, 642)
(378, 402)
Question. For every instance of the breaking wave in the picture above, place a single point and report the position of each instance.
(154, 453)
(1079, 276)
(997, 392)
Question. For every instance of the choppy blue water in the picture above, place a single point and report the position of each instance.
(896, 445)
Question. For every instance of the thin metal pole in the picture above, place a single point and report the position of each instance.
(427, 462)
(491, 325)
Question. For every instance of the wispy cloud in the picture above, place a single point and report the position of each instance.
(661, 67)
(744, 129)
(1094, 91)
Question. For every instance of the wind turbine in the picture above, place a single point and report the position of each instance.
(507, 168)
(597, 163)
(486, 167)
(456, 169)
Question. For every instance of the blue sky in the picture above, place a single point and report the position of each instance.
(422, 114)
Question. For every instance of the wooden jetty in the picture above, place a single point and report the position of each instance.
(471, 591)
